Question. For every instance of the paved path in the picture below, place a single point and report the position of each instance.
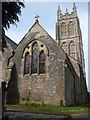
(34, 116)
(21, 115)
(79, 116)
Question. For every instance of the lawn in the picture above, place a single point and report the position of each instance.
(49, 109)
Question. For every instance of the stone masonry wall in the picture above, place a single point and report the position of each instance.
(70, 88)
(50, 87)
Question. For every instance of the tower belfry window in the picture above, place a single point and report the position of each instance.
(63, 30)
(65, 47)
(72, 49)
(71, 28)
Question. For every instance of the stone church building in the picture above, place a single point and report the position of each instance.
(50, 70)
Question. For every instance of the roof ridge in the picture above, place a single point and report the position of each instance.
(30, 30)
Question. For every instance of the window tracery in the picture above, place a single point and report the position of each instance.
(35, 57)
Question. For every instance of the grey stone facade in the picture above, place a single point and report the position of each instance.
(64, 77)
(69, 37)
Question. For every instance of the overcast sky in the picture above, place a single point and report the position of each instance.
(47, 12)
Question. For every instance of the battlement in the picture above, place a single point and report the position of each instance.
(67, 15)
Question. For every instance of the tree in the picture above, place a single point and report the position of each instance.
(10, 15)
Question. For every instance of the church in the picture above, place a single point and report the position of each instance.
(48, 70)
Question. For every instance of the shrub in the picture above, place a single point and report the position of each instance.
(35, 105)
(43, 104)
(61, 103)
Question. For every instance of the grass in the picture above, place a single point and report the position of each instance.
(51, 109)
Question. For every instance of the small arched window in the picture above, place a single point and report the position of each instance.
(27, 63)
(64, 46)
(71, 28)
(63, 30)
(72, 49)
(34, 58)
(42, 62)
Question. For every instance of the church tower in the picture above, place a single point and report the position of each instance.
(69, 36)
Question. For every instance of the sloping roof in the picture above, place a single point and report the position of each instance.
(11, 42)
(33, 26)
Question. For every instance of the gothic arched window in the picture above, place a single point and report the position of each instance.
(42, 62)
(72, 49)
(64, 46)
(71, 28)
(63, 30)
(34, 58)
(27, 63)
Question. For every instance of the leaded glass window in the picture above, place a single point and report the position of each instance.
(27, 63)
(34, 57)
(42, 62)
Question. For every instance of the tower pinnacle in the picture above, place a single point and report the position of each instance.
(58, 7)
(74, 5)
(74, 9)
(66, 10)
(58, 13)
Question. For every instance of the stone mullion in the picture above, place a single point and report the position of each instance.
(46, 64)
(30, 65)
(23, 62)
(38, 63)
